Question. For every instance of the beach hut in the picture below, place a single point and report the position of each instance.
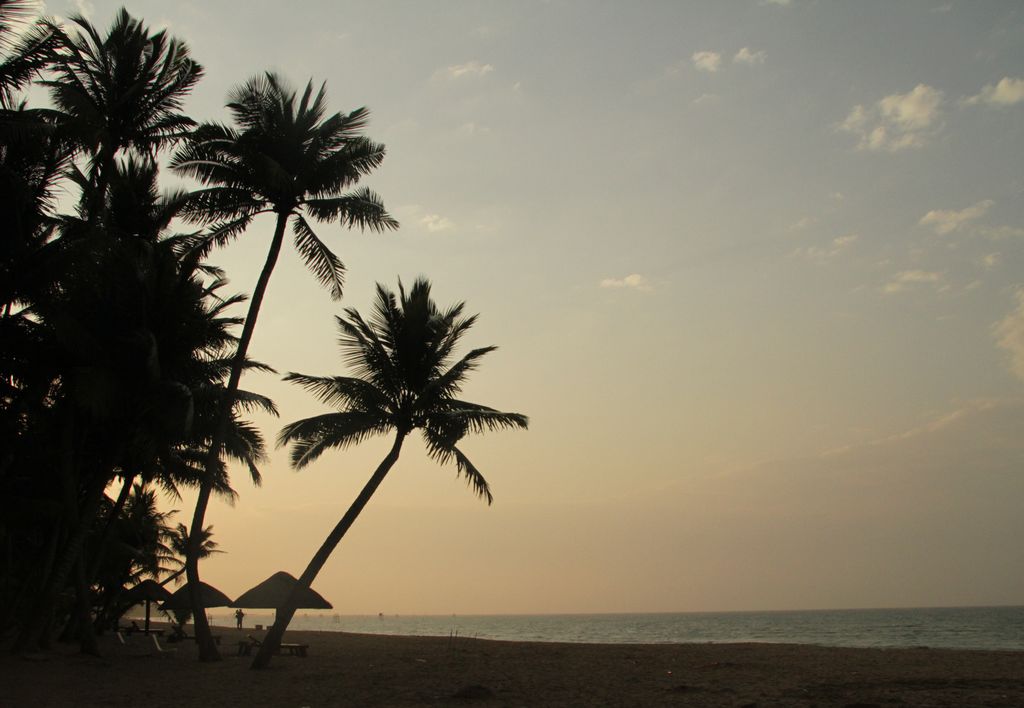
(148, 591)
(272, 593)
(212, 597)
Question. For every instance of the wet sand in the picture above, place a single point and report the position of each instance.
(365, 670)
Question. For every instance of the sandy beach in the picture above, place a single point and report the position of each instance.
(365, 670)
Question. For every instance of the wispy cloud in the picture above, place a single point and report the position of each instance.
(776, 3)
(748, 56)
(470, 69)
(897, 122)
(823, 254)
(803, 223)
(1009, 91)
(471, 128)
(633, 281)
(1010, 336)
(945, 221)
(707, 61)
(84, 8)
(436, 222)
(907, 279)
(999, 233)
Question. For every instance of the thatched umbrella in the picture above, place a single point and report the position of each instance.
(148, 591)
(272, 593)
(212, 597)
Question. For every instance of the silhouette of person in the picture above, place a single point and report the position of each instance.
(238, 617)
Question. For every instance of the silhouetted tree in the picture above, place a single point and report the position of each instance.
(405, 379)
(287, 157)
(122, 91)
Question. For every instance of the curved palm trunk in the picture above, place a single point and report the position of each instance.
(272, 642)
(204, 638)
(108, 528)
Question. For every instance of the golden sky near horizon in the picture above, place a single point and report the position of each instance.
(755, 269)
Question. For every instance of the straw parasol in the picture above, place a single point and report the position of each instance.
(273, 592)
(148, 591)
(212, 597)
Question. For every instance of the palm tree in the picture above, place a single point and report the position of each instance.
(22, 54)
(405, 379)
(122, 91)
(178, 545)
(288, 158)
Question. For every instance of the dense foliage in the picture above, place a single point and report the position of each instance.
(120, 354)
(117, 339)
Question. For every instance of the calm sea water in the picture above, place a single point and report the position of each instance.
(961, 627)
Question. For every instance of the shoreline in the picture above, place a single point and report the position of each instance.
(348, 669)
(952, 628)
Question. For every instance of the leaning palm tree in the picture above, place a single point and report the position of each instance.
(288, 158)
(405, 379)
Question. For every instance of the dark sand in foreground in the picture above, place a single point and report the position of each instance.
(364, 670)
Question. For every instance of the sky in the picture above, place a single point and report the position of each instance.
(755, 269)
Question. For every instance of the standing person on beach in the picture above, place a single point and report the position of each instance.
(238, 617)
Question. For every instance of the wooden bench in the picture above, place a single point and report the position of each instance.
(191, 638)
(294, 649)
(245, 648)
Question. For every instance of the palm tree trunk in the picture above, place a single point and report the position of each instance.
(86, 635)
(272, 642)
(108, 528)
(79, 515)
(172, 576)
(94, 200)
(204, 638)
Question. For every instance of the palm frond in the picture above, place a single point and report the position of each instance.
(311, 437)
(320, 260)
(343, 392)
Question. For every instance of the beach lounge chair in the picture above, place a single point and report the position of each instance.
(159, 650)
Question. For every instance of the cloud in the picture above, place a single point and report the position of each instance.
(633, 281)
(706, 98)
(817, 254)
(1007, 92)
(897, 122)
(471, 128)
(777, 3)
(803, 223)
(707, 61)
(1010, 336)
(84, 8)
(990, 260)
(748, 56)
(891, 521)
(905, 280)
(436, 222)
(945, 221)
(468, 70)
(999, 233)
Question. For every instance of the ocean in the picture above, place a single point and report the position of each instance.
(954, 627)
